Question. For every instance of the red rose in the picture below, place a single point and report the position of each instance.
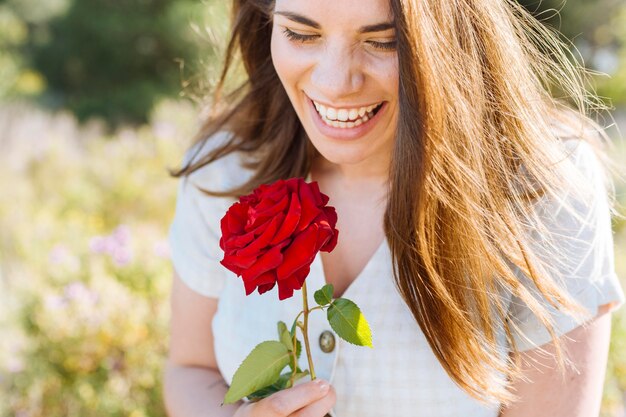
(272, 235)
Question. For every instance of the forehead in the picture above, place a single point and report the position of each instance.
(343, 14)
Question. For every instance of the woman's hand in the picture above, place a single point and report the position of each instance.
(312, 399)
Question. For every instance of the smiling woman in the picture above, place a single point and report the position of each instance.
(341, 78)
(472, 207)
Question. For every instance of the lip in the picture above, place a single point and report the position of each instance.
(343, 106)
(347, 133)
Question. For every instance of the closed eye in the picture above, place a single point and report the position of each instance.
(298, 37)
(385, 46)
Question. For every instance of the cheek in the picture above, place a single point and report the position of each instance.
(386, 74)
(291, 62)
(284, 60)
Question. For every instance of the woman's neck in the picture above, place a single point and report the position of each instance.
(363, 174)
(342, 182)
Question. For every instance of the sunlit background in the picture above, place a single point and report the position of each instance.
(97, 99)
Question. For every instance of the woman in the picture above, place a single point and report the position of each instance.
(475, 228)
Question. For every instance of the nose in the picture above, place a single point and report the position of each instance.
(337, 73)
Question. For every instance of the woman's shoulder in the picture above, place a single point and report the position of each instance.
(582, 145)
(582, 153)
(589, 168)
(224, 173)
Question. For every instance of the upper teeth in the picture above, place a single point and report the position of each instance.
(343, 115)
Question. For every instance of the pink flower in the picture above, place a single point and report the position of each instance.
(162, 249)
(97, 244)
(122, 256)
(116, 245)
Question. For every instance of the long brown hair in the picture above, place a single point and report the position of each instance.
(475, 147)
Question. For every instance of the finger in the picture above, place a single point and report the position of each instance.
(319, 408)
(285, 402)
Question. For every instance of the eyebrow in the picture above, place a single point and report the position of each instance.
(298, 18)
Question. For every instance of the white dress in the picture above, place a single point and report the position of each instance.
(400, 376)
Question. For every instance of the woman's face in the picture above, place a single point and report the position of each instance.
(338, 62)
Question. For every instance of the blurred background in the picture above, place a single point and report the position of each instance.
(97, 99)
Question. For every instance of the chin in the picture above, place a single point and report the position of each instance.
(341, 154)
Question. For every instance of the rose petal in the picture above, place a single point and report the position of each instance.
(309, 207)
(262, 241)
(300, 253)
(266, 281)
(257, 217)
(249, 286)
(269, 260)
(290, 221)
(266, 287)
(293, 184)
(238, 242)
(278, 207)
(262, 280)
(325, 232)
(236, 263)
(234, 219)
(250, 199)
(331, 215)
(266, 278)
(258, 228)
(287, 286)
(294, 282)
(330, 243)
(301, 275)
(235, 269)
(320, 198)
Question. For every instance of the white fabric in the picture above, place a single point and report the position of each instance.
(400, 376)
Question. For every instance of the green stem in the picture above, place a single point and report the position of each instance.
(296, 320)
(302, 312)
(305, 333)
(294, 341)
(295, 358)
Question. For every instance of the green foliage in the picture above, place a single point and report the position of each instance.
(598, 31)
(112, 59)
(284, 336)
(283, 382)
(85, 267)
(258, 370)
(14, 78)
(259, 375)
(347, 320)
(116, 59)
(324, 295)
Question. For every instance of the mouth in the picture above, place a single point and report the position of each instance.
(346, 118)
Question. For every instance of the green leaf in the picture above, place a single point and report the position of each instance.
(293, 328)
(298, 348)
(347, 320)
(292, 363)
(287, 378)
(324, 295)
(259, 369)
(262, 393)
(299, 374)
(283, 382)
(294, 325)
(285, 336)
(282, 327)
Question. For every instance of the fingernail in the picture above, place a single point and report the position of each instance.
(321, 384)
